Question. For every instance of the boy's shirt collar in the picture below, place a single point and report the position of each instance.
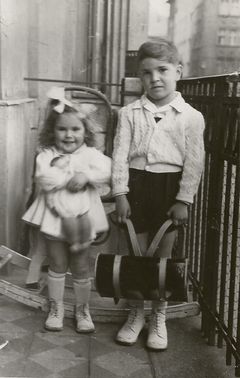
(177, 103)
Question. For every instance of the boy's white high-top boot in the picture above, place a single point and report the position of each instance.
(82, 290)
(131, 329)
(157, 332)
(56, 282)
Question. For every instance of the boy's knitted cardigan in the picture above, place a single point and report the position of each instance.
(173, 144)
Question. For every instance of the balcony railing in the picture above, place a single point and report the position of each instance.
(213, 236)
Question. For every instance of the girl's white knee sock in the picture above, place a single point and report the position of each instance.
(56, 283)
(82, 290)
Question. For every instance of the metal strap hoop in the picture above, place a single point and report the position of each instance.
(162, 276)
(116, 276)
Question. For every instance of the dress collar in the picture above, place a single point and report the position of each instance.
(79, 150)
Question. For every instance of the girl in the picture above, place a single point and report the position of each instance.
(68, 210)
(157, 164)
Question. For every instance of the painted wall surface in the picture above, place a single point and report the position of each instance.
(138, 23)
(18, 143)
(13, 47)
(18, 120)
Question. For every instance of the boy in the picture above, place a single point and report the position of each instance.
(157, 164)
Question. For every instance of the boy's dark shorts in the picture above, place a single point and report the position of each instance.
(150, 196)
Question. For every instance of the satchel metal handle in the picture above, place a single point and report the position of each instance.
(133, 238)
(155, 242)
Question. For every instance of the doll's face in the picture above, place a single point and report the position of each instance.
(69, 133)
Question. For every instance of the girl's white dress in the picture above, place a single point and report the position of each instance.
(51, 183)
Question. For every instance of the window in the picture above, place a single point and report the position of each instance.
(234, 37)
(228, 37)
(229, 8)
(222, 36)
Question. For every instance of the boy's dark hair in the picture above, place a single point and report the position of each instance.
(161, 49)
(47, 136)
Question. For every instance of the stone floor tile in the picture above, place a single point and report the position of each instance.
(9, 355)
(9, 315)
(32, 323)
(99, 372)
(56, 338)
(21, 367)
(57, 359)
(119, 363)
(81, 346)
(11, 331)
(78, 371)
(30, 344)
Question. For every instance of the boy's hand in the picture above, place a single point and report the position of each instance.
(77, 183)
(178, 213)
(122, 208)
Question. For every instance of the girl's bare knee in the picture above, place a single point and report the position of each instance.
(57, 266)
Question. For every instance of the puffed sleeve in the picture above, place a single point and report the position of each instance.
(122, 141)
(98, 170)
(50, 178)
(194, 157)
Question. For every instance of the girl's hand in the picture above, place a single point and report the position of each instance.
(78, 182)
(178, 213)
(122, 208)
(60, 162)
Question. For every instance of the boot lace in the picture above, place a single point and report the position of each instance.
(133, 316)
(82, 312)
(157, 322)
(54, 309)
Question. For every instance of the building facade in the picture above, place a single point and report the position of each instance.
(207, 34)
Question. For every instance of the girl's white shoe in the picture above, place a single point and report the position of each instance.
(84, 323)
(55, 317)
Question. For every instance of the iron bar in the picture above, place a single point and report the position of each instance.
(237, 369)
(216, 319)
(235, 228)
(225, 248)
(71, 82)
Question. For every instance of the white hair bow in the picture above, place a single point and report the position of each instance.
(58, 93)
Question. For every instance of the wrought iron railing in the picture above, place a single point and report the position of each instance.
(213, 236)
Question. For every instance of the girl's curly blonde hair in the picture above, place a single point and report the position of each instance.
(47, 136)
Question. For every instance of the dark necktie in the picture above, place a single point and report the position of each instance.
(157, 119)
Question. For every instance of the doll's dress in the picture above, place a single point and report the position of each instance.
(96, 165)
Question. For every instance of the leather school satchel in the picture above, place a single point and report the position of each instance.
(142, 277)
